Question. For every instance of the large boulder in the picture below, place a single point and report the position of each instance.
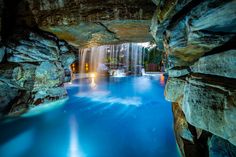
(67, 59)
(18, 75)
(211, 106)
(191, 140)
(196, 34)
(174, 89)
(178, 72)
(35, 48)
(48, 75)
(34, 69)
(88, 23)
(198, 41)
(181, 125)
(48, 95)
(220, 64)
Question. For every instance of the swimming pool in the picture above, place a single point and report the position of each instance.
(104, 117)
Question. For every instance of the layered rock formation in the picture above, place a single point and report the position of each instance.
(87, 23)
(32, 67)
(198, 40)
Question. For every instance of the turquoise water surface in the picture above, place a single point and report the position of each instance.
(104, 117)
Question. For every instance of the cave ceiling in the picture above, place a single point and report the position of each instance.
(86, 23)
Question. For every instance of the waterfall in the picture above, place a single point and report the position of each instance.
(114, 59)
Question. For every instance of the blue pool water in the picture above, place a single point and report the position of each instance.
(105, 117)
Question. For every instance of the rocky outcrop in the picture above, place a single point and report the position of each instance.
(220, 64)
(85, 23)
(33, 70)
(211, 106)
(198, 39)
(70, 12)
(204, 94)
(89, 34)
(204, 103)
(191, 141)
(185, 33)
(172, 93)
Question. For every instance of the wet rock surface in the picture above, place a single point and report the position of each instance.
(198, 39)
(219, 147)
(86, 23)
(220, 64)
(89, 34)
(174, 89)
(210, 107)
(191, 141)
(34, 70)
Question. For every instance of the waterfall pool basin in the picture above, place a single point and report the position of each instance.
(102, 117)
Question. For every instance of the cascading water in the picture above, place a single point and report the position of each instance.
(118, 60)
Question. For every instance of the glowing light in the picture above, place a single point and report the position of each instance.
(86, 67)
(45, 108)
(74, 145)
(106, 97)
(93, 84)
(93, 75)
(162, 79)
(142, 84)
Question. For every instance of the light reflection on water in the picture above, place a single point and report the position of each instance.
(121, 117)
(74, 145)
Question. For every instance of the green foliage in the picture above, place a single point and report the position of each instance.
(111, 60)
(152, 56)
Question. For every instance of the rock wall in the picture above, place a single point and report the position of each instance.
(71, 12)
(33, 67)
(84, 23)
(198, 40)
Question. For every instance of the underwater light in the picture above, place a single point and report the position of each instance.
(74, 147)
(93, 84)
(93, 75)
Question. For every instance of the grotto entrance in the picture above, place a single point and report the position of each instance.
(119, 60)
(101, 114)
